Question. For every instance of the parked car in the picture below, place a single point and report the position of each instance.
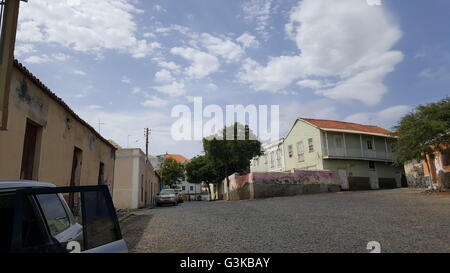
(167, 196)
(36, 218)
(180, 196)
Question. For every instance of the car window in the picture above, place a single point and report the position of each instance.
(99, 221)
(163, 192)
(54, 213)
(6, 221)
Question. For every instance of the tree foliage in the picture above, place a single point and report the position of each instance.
(171, 172)
(424, 130)
(231, 150)
(201, 170)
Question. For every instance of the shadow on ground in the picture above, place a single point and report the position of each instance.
(133, 228)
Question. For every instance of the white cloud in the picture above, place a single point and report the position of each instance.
(386, 118)
(159, 8)
(155, 101)
(259, 12)
(94, 107)
(321, 108)
(83, 25)
(79, 72)
(435, 73)
(169, 65)
(212, 86)
(347, 43)
(164, 76)
(126, 80)
(136, 90)
(202, 65)
(60, 57)
(38, 59)
(247, 40)
(175, 89)
(22, 49)
(313, 84)
(224, 48)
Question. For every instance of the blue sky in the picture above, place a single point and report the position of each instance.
(127, 63)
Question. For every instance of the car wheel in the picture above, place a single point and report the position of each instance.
(175, 204)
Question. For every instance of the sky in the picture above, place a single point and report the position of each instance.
(123, 65)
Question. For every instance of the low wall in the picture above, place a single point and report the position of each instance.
(262, 185)
(415, 176)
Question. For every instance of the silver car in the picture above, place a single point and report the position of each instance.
(167, 196)
(36, 218)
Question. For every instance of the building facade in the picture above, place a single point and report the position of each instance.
(135, 181)
(360, 154)
(45, 140)
(272, 159)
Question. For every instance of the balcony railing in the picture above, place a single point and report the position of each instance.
(357, 154)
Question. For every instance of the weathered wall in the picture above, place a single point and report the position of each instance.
(272, 184)
(60, 132)
(415, 174)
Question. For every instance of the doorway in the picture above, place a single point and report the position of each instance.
(344, 179)
(30, 154)
(75, 177)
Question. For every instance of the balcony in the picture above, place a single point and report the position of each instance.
(358, 154)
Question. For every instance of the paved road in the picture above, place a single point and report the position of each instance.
(402, 220)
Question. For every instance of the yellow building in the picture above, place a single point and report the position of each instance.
(45, 140)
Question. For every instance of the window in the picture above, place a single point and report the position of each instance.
(191, 188)
(279, 158)
(310, 145)
(290, 151)
(183, 188)
(265, 159)
(54, 213)
(371, 165)
(338, 141)
(445, 156)
(7, 217)
(272, 159)
(369, 144)
(300, 151)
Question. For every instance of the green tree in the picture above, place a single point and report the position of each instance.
(201, 169)
(423, 131)
(171, 172)
(231, 150)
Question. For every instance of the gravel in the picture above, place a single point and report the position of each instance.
(401, 220)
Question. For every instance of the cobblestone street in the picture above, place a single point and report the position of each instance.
(401, 220)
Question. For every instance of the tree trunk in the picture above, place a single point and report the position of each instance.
(209, 191)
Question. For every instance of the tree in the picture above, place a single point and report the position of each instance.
(423, 132)
(231, 150)
(171, 172)
(201, 170)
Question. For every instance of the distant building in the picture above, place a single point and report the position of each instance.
(360, 154)
(272, 159)
(136, 183)
(190, 190)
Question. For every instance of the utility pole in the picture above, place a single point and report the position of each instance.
(147, 133)
(99, 124)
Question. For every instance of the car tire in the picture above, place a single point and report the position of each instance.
(175, 204)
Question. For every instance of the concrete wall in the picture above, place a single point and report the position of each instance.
(60, 132)
(271, 184)
(135, 183)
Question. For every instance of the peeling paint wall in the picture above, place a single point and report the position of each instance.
(59, 133)
(270, 184)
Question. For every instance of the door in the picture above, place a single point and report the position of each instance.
(373, 178)
(75, 178)
(29, 155)
(344, 179)
(39, 212)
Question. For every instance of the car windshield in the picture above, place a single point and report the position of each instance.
(166, 192)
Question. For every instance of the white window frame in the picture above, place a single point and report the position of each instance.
(310, 145)
(300, 151)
